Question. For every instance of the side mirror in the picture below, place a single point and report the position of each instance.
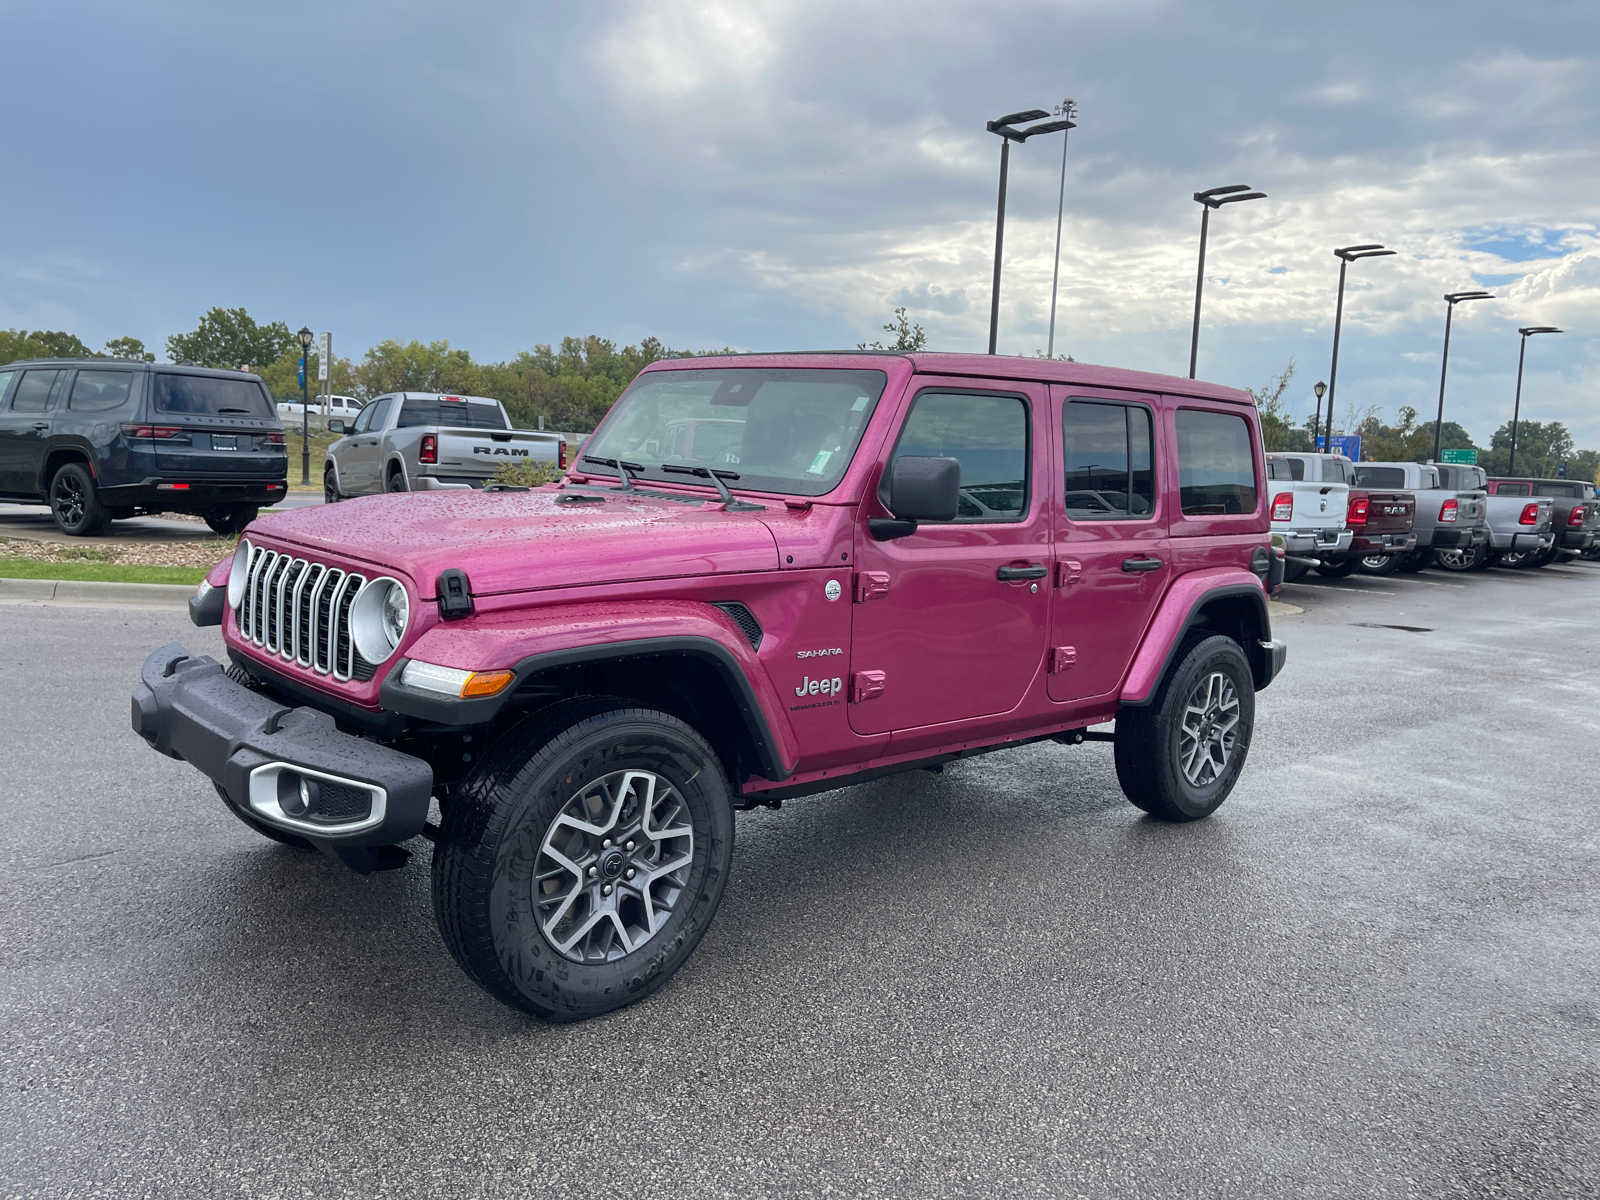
(335, 425)
(920, 489)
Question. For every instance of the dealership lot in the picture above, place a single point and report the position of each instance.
(1371, 973)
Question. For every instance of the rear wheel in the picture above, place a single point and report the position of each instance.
(1179, 757)
(1380, 564)
(75, 502)
(1465, 558)
(1415, 560)
(330, 487)
(1342, 569)
(575, 877)
(231, 520)
(1514, 559)
(397, 481)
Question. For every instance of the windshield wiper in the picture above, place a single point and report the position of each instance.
(729, 504)
(245, 411)
(623, 469)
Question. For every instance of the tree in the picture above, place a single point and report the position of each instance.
(283, 377)
(229, 337)
(129, 348)
(41, 343)
(1406, 441)
(1276, 432)
(907, 336)
(395, 366)
(1541, 449)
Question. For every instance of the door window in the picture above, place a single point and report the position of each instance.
(33, 393)
(988, 435)
(364, 419)
(375, 416)
(100, 391)
(1110, 475)
(1216, 463)
(5, 382)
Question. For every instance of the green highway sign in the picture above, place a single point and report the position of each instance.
(1468, 458)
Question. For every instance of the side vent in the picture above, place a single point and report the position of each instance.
(745, 620)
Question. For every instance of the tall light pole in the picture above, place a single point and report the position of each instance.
(1212, 198)
(1346, 255)
(1068, 109)
(1516, 410)
(306, 337)
(1321, 389)
(1005, 128)
(1451, 300)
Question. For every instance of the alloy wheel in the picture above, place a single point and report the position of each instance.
(613, 866)
(1209, 730)
(68, 498)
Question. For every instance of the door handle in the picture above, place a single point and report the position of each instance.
(41, 424)
(1006, 574)
(1141, 564)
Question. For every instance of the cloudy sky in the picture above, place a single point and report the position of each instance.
(768, 174)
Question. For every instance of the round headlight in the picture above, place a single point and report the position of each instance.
(378, 619)
(238, 573)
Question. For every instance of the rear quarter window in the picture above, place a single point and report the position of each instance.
(100, 391)
(1216, 463)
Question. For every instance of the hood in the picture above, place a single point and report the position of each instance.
(516, 541)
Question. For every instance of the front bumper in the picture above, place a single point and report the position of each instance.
(1383, 543)
(1269, 662)
(1314, 542)
(356, 793)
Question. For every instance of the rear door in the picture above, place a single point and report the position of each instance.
(25, 427)
(1112, 557)
(949, 623)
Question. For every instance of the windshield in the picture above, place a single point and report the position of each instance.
(210, 396)
(789, 431)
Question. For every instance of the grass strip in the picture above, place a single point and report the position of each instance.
(14, 566)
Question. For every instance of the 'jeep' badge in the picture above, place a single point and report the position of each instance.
(832, 591)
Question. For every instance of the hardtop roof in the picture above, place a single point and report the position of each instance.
(128, 364)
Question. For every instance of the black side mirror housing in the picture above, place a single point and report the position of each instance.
(335, 425)
(921, 488)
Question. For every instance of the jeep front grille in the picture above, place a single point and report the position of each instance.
(300, 611)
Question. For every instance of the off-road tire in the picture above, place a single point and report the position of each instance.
(75, 502)
(1415, 560)
(1342, 569)
(272, 833)
(228, 521)
(1147, 740)
(493, 834)
(1381, 564)
(330, 487)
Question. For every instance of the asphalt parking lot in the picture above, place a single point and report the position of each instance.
(1373, 973)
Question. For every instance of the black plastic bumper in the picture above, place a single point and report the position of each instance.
(196, 495)
(1576, 539)
(187, 708)
(1458, 539)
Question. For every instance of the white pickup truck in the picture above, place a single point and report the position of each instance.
(1308, 515)
(426, 442)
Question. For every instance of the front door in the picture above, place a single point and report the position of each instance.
(949, 623)
(1112, 556)
(359, 456)
(25, 428)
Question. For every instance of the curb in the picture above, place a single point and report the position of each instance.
(88, 592)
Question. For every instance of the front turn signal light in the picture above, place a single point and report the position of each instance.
(486, 683)
(452, 681)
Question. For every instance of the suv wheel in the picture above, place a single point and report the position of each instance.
(227, 521)
(75, 504)
(1380, 564)
(1179, 756)
(576, 877)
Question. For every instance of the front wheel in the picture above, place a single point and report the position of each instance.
(576, 877)
(1179, 756)
(1380, 564)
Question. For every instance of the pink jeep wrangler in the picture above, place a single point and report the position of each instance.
(768, 576)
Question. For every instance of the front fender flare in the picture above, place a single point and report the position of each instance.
(532, 640)
(1182, 608)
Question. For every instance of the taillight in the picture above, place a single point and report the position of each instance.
(1358, 511)
(430, 448)
(1530, 515)
(1449, 510)
(1576, 518)
(1283, 506)
(561, 455)
(152, 432)
(273, 437)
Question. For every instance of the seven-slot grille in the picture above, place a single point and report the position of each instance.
(300, 611)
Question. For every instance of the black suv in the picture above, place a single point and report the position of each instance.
(101, 439)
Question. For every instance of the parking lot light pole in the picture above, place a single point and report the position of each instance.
(1516, 409)
(1212, 198)
(306, 337)
(1068, 109)
(1321, 390)
(1005, 129)
(1346, 255)
(1451, 300)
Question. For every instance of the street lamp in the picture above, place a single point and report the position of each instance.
(1346, 255)
(306, 337)
(1451, 300)
(1068, 109)
(1516, 411)
(1212, 198)
(1005, 128)
(1321, 389)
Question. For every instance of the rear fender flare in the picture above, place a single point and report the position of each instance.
(533, 641)
(1193, 602)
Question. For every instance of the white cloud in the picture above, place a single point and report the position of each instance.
(677, 47)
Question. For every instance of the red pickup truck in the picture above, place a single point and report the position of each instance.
(882, 562)
(1379, 521)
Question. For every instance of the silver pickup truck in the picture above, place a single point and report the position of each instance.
(1519, 526)
(1575, 520)
(1449, 519)
(424, 442)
